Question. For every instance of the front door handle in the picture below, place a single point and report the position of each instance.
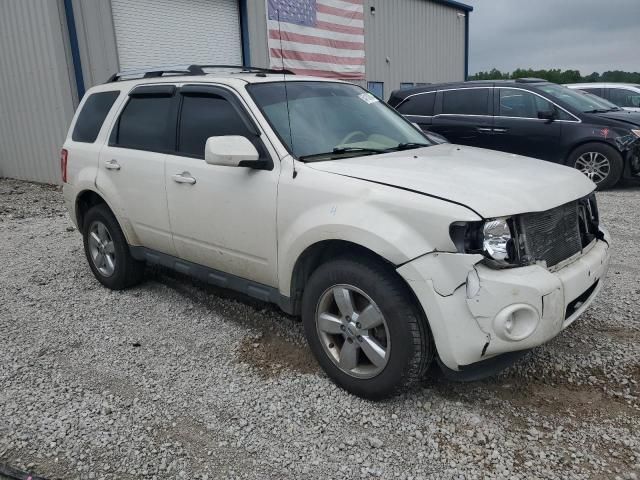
(484, 129)
(112, 164)
(184, 177)
(500, 130)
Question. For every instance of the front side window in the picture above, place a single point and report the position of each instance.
(468, 101)
(145, 124)
(624, 98)
(204, 116)
(421, 104)
(333, 118)
(521, 104)
(92, 116)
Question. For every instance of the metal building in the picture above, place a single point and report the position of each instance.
(51, 51)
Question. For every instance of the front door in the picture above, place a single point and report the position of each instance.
(221, 217)
(517, 128)
(131, 168)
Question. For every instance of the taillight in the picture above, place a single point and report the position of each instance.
(63, 164)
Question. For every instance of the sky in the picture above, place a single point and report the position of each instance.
(586, 35)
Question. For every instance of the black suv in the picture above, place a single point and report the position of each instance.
(530, 117)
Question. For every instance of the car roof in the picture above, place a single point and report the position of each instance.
(520, 83)
(603, 84)
(232, 79)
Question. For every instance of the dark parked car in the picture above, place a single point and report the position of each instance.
(530, 117)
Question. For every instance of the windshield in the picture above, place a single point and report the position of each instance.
(330, 120)
(605, 104)
(577, 100)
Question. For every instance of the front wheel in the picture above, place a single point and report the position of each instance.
(364, 327)
(600, 162)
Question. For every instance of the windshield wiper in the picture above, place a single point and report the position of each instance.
(600, 110)
(408, 146)
(341, 150)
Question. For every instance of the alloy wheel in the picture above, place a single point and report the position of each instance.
(353, 331)
(594, 165)
(102, 248)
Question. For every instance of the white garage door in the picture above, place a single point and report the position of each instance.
(162, 33)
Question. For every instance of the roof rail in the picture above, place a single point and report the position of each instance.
(147, 74)
(199, 69)
(191, 70)
(530, 80)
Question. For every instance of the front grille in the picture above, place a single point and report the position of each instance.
(551, 236)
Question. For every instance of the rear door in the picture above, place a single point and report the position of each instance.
(131, 171)
(517, 128)
(463, 116)
(221, 217)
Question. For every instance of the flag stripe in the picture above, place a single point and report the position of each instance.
(306, 48)
(327, 74)
(316, 57)
(340, 28)
(342, 21)
(311, 40)
(339, 12)
(313, 32)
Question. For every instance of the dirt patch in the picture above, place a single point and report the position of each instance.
(270, 355)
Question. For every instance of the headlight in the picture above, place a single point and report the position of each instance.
(492, 238)
(496, 238)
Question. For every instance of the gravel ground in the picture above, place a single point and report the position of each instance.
(175, 379)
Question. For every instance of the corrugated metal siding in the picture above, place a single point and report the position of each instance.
(36, 98)
(423, 40)
(153, 33)
(257, 22)
(96, 40)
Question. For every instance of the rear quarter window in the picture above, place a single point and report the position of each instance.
(92, 116)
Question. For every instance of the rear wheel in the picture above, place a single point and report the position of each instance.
(107, 250)
(364, 328)
(601, 163)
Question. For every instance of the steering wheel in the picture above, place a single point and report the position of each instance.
(352, 136)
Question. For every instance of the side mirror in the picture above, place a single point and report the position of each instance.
(230, 151)
(547, 115)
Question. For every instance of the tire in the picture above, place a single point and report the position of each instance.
(375, 291)
(600, 162)
(107, 251)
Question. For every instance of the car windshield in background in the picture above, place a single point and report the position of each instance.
(332, 120)
(579, 101)
(605, 104)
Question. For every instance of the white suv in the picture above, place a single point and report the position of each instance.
(312, 194)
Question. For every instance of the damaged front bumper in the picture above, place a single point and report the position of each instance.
(477, 313)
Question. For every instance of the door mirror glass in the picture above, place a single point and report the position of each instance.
(547, 115)
(230, 151)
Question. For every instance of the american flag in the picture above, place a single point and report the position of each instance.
(317, 37)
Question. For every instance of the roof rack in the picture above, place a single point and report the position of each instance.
(192, 70)
(530, 80)
(199, 69)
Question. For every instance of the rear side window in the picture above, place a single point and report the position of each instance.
(207, 116)
(421, 104)
(145, 124)
(92, 116)
(594, 91)
(624, 98)
(469, 101)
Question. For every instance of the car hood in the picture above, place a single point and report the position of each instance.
(492, 184)
(626, 116)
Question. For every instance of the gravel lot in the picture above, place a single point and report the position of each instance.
(175, 379)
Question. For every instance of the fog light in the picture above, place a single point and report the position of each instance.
(516, 322)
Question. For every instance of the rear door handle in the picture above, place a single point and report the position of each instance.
(500, 130)
(112, 164)
(184, 177)
(484, 129)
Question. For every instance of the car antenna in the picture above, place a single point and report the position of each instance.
(286, 95)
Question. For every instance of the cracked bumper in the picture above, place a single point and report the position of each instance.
(508, 310)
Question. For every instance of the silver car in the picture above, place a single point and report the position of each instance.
(624, 95)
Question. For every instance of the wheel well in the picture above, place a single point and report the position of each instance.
(320, 253)
(84, 202)
(581, 144)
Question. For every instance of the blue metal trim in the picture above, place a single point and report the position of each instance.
(75, 49)
(244, 33)
(466, 46)
(454, 4)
